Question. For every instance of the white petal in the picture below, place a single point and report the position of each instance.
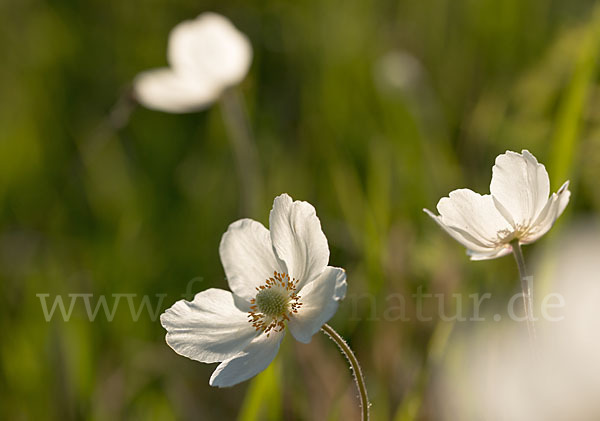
(553, 209)
(209, 329)
(521, 185)
(210, 48)
(499, 252)
(254, 359)
(459, 235)
(475, 217)
(563, 198)
(298, 239)
(247, 256)
(163, 90)
(320, 299)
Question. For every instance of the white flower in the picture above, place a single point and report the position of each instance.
(518, 208)
(206, 55)
(278, 278)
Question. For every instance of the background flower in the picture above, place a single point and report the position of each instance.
(500, 381)
(206, 55)
(518, 208)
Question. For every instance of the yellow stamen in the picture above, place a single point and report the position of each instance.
(274, 303)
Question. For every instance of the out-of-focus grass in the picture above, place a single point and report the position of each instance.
(572, 107)
(370, 111)
(263, 398)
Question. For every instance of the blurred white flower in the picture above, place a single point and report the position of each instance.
(498, 380)
(518, 208)
(397, 70)
(206, 55)
(278, 278)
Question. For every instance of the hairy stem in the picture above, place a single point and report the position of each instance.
(356, 371)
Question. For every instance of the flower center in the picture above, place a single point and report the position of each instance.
(274, 303)
(507, 235)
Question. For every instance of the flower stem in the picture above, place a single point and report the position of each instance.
(527, 294)
(356, 371)
(117, 119)
(244, 150)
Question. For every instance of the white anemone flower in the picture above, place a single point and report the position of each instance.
(206, 55)
(518, 208)
(278, 278)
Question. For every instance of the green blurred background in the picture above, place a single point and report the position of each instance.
(368, 110)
